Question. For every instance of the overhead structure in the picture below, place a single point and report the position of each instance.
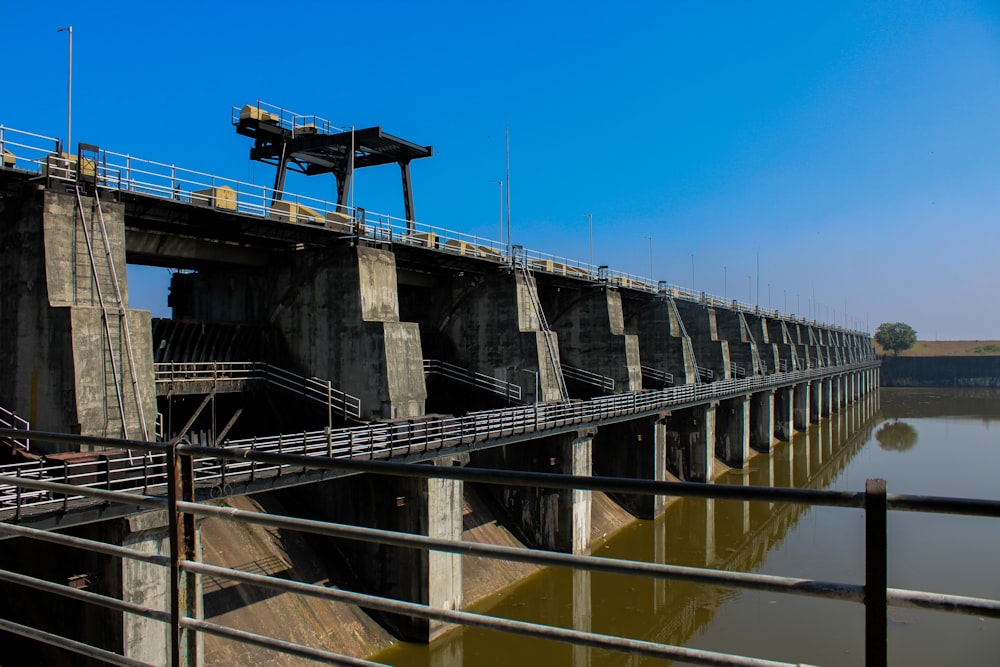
(311, 145)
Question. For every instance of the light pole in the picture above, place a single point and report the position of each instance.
(725, 292)
(590, 219)
(500, 183)
(650, 239)
(69, 93)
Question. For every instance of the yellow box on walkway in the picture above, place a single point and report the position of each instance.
(251, 112)
(289, 211)
(223, 197)
(425, 239)
(9, 159)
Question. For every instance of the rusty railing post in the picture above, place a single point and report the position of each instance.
(876, 574)
(183, 644)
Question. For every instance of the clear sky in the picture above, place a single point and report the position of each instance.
(854, 145)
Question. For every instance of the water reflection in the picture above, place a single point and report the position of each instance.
(720, 534)
(896, 436)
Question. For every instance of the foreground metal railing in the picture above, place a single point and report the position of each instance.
(180, 610)
(37, 154)
(422, 437)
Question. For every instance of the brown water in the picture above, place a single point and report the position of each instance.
(923, 441)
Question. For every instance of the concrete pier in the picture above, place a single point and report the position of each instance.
(636, 449)
(763, 424)
(691, 443)
(76, 358)
(784, 413)
(545, 518)
(732, 431)
(431, 507)
(802, 410)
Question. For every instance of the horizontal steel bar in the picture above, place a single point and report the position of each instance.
(82, 543)
(279, 645)
(749, 580)
(70, 645)
(550, 480)
(465, 618)
(958, 604)
(84, 596)
(942, 505)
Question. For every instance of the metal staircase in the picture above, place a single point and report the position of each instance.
(758, 363)
(688, 345)
(117, 334)
(543, 325)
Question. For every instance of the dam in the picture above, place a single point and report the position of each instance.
(314, 345)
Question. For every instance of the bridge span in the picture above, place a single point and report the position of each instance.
(359, 336)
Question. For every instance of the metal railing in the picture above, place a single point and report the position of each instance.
(421, 437)
(602, 382)
(10, 420)
(179, 611)
(494, 385)
(706, 374)
(213, 372)
(655, 374)
(127, 173)
(737, 371)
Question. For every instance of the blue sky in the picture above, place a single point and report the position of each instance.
(855, 145)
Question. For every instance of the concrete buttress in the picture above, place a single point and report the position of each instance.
(76, 358)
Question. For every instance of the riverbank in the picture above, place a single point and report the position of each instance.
(941, 371)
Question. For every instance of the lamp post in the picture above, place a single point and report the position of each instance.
(650, 239)
(69, 93)
(590, 219)
(500, 183)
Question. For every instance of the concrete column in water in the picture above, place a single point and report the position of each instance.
(732, 431)
(815, 401)
(801, 412)
(762, 420)
(431, 507)
(827, 389)
(545, 518)
(784, 413)
(634, 449)
(691, 442)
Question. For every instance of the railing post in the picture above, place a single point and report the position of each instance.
(183, 651)
(875, 573)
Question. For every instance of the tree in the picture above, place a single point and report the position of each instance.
(895, 336)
